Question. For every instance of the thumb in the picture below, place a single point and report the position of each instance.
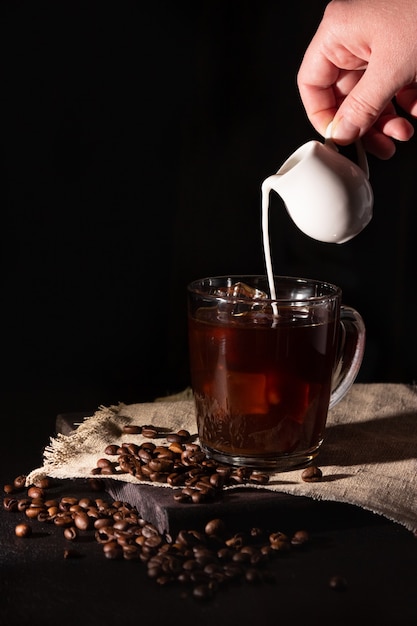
(363, 105)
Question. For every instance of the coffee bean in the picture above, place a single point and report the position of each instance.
(148, 445)
(72, 554)
(111, 449)
(300, 538)
(10, 504)
(131, 552)
(132, 429)
(105, 464)
(181, 497)
(71, 533)
(62, 519)
(215, 527)
(43, 482)
(35, 492)
(184, 434)
(176, 447)
(43, 516)
(19, 482)
(233, 571)
(312, 474)
(259, 478)
(241, 557)
(174, 438)
(258, 533)
(23, 530)
(279, 542)
(224, 554)
(190, 564)
(149, 431)
(23, 504)
(163, 452)
(161, 465)
(131, 447)
(235, 542)
(203, 592)
(66, 502)
(82, 521)
(32, 511)
(217, 481)
(338, 583)
(253, 575)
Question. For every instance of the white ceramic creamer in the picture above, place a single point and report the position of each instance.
(327, 195)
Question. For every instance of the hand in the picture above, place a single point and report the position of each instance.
(360, 64)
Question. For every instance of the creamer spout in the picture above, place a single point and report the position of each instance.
(271, 183)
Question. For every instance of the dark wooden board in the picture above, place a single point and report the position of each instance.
(254, 507)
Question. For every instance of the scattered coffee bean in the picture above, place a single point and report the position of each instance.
(253, 576)
(111, 449)
(300, 538)
(338, 583)
(279, 541)
(311, 474)
(71, 533)
(23, 530)
(202, 592)
(35, 492)
(10, 503)
(82, 520)
(96, 484)
(132, 429)
(185, 435)
(72, 554)
(202, 561)
(174, 438)
(43, 482)
(149, 431)
(20, 481)
(215, 527)
(181, 463)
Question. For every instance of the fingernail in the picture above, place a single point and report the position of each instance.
(343, 130)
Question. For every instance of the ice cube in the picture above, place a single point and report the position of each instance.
(240, 291)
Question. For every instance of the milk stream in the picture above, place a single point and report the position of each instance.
(266, 188)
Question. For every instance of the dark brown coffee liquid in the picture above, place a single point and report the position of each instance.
(259, 389)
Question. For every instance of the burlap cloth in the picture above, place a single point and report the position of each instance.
(368, 458)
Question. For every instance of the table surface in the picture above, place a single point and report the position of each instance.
(376, 557)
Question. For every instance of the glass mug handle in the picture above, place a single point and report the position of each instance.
(349, 355)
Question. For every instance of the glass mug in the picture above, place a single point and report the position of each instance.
(264, 372)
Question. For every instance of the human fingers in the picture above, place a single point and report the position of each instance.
(366, 102)
(378, 144)
(407, 99)
(379, 140)
(395, 126)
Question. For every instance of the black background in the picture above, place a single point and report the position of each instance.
(134, 138)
